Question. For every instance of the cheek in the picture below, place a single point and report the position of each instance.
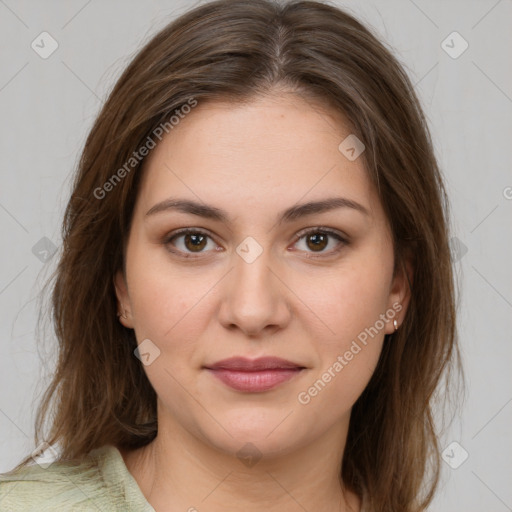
(345, 301)
(347, 356)
(168, 310)
(333, 392)
(164, 296)
(348, 333)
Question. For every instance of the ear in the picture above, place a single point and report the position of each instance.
(123, 300)
(400, 291)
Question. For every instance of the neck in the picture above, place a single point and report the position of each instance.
(179, 471)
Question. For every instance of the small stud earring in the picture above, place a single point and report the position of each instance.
(395, 324)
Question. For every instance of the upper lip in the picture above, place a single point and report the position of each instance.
(261, 363)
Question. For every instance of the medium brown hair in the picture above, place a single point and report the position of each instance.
(235, 50)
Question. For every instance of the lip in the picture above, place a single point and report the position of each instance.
(254, 375)
(243, 364)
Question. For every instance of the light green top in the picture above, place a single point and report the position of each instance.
(102, 483)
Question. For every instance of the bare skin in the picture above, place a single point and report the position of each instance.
(298, 300)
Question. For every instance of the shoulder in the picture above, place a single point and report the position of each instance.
(99, 482)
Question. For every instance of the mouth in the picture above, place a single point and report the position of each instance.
(256, 375)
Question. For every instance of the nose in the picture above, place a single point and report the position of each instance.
(254, 298)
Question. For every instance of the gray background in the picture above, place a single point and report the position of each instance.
(48, 105)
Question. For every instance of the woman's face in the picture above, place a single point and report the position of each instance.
(313, 286)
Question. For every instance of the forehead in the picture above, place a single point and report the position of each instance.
(267, 152)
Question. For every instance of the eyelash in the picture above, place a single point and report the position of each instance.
(326, 231)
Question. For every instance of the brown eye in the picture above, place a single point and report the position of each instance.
(195, 242)
(189, 241)
(318, 239)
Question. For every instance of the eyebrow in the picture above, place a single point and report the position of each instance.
(290, 214)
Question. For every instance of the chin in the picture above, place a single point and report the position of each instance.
(269, 434)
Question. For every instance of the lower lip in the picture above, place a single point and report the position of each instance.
(254, 381)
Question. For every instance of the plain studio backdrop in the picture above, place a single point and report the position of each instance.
(458, 55)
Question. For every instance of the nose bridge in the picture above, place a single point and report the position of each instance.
(255, 297)
(252, 273)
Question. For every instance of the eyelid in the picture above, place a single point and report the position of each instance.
(185, 231)
(322, 229)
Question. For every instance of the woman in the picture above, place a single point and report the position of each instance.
(254, 302)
